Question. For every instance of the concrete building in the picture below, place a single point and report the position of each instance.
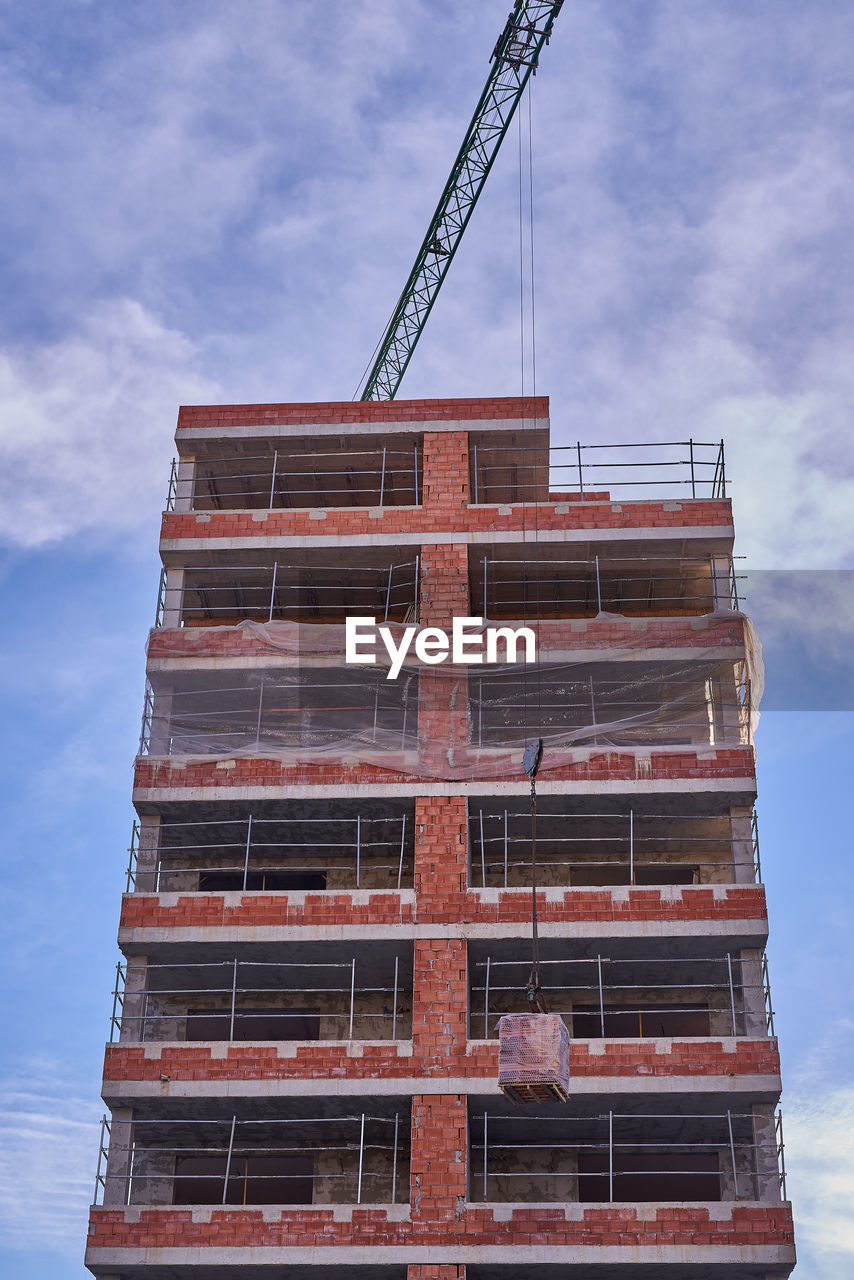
(329, 903)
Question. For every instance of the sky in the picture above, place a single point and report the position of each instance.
(215, 202)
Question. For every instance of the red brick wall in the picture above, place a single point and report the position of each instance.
(206, 910)
(436, 1051)
(472, 408)
(438, 1161)
(424, 521)
(671, 1226)
(736, 763)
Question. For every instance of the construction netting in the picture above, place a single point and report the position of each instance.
(290, 693)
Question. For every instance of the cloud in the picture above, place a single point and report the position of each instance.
(48, 1152)
(85, 425)
(818, 1123)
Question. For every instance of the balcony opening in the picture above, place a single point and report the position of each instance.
(522, 466)
(605, 841)
(275, 847)
(251, 1180)
(647, 1176)
(320, 471)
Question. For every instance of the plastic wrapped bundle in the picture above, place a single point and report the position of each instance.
(533, 1057)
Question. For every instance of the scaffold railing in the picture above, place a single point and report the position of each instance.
(256, 853)
(638, 997)
(685, 470)
(360, 1158)
(281, 479)
(726, 1156)
(635, 846)
(245, 1000)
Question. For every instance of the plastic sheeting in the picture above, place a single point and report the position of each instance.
(454, 722)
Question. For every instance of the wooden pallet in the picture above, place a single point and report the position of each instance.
(523, 1091)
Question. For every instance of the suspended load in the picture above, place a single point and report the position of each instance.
(533, 1057)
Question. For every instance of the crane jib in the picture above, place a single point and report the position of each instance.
(514, 59)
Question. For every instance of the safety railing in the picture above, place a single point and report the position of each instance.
(585, 704)
(587, 849)
(614, 1156)
(538, 584)
(225, 595)
(681, 469)
(248, 1000)
(313, 709)
(282, 479)
(354, 1159)
(602, 997)
(274, 854)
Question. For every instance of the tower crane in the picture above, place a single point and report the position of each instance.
(513, 60)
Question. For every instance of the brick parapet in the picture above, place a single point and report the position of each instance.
(157, 774)
(352, 412)
(421, 522)
(251, 910)
(722, 630)
(663, 1226)
(433, 1053)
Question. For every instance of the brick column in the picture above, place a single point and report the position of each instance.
(439, 1004)
(444, 584)
(446, 471)
(442, 698)
(438, 1161)
(441, 855)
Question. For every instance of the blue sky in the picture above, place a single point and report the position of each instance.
(220, 202)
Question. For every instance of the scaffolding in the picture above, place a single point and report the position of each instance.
(338, 1159)
(336, 475)
(627, 1157)
(257, 850)
(622, 844)
(632, 997)
(239, 999)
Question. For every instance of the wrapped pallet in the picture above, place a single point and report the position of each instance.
(533, 1057)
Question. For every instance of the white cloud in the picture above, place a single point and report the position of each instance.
(48, 1154)
(818, 1123)
(85, 425)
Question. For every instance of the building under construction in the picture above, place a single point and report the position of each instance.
(329, 903)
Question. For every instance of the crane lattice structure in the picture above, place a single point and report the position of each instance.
(513, 60)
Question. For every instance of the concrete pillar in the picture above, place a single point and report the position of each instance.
(173, 601)
(721, 571)
(755, 1023)
(767, 1169)
(133, 1004)
(118, 1158)
(185, 480)
(742, 844)
(148, 852)
(160, 732)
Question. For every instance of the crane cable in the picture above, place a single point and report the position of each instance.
(534, 751)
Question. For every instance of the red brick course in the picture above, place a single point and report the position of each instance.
(622, 1225)
(423, 521)
(468, 408)
(438, 1055)
(713, 630)
(251, 910)
(736, 763)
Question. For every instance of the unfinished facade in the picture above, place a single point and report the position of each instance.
(328, 904)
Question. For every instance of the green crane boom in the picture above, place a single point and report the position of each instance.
(514, 58)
